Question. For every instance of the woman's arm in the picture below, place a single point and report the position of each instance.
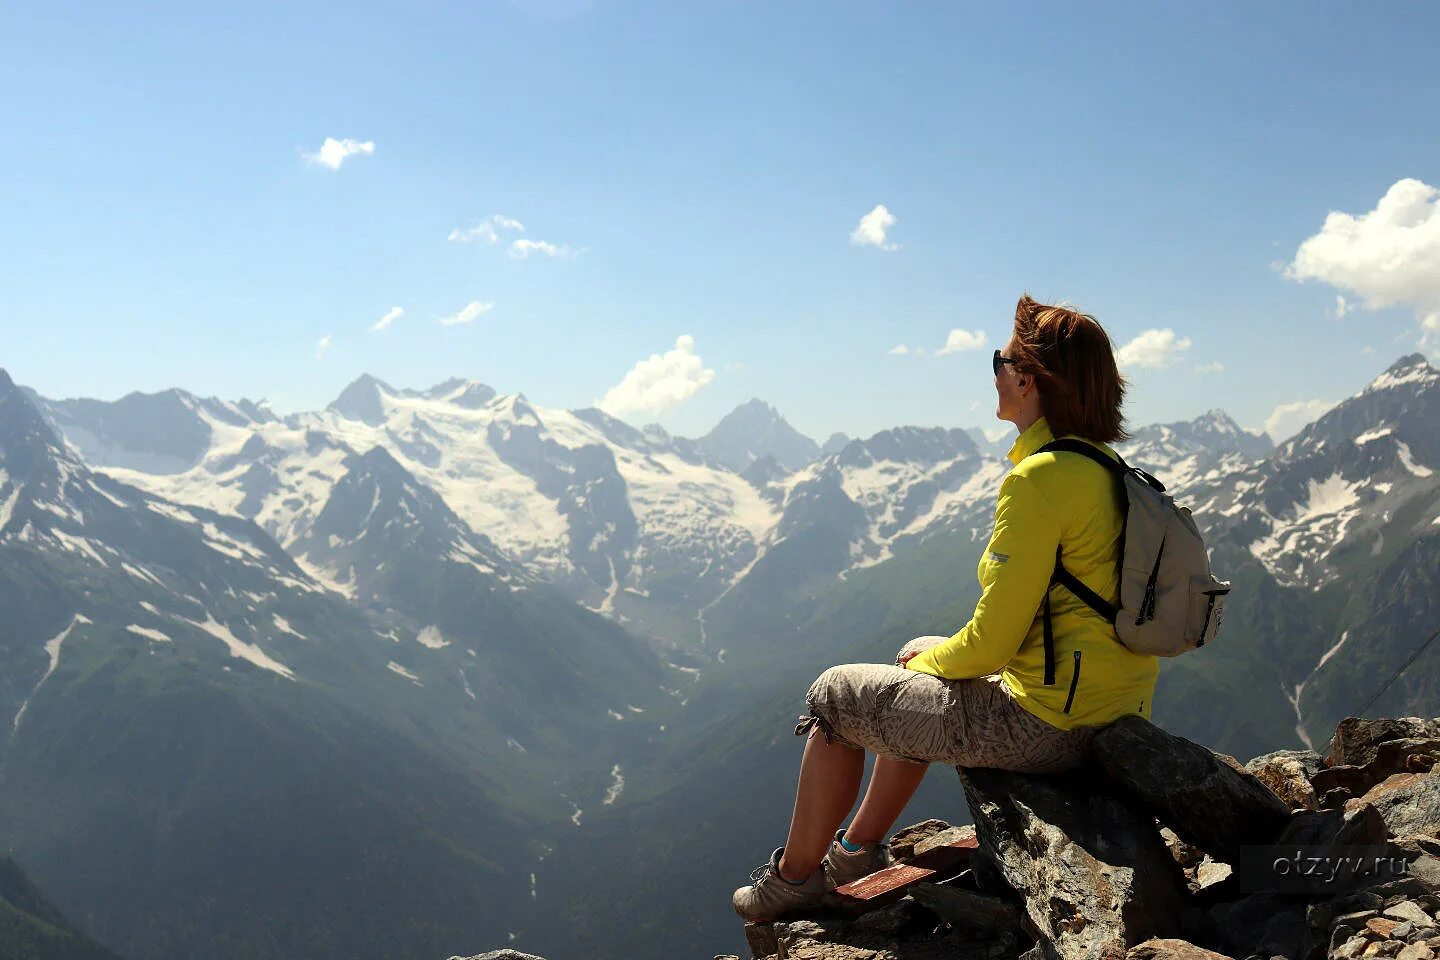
(1014, 575)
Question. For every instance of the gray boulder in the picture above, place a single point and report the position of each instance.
(1205, 800)
(1089, 864)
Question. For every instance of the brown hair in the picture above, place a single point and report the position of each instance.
(1071, 358)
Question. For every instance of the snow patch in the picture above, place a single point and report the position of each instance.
(617, 785)
(394, 667)
(148, 633)
(240, 649)
(432, 638)
(1409, 461)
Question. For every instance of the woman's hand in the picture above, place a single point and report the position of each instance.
(904, 659)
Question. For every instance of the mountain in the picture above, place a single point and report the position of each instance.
(1183, 453)
(412, 527)
(636, 524)
(31, 928)
(1293, 656)
(214, 754)
(754, 430)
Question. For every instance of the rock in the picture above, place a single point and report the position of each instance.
(501, 955)
(1190, 789)
(1357, 740)
(1403, 930)
(1407, 910)
(1409, 803)
(761, 938)
(1334, 798)
(1381, 926)
(1351, 948)
(1090, 866)
(1168, 948)
(966, 908)
(1410, 755)
(1415, 951)
(1211, 872)
(943, 838)
(1287, 773)
(1265, 922)
(902, 844)
(1185, 854)
(1356, 780)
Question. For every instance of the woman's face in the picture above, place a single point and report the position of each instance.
(1007, 386)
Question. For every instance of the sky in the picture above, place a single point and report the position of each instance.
(667, 209)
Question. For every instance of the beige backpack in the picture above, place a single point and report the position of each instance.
(1170, 602)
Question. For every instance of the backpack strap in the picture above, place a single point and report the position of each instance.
(1064, 577)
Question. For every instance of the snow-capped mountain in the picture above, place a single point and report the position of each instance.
(634, 523)
(1363, 474)
(755, 430)
(1181, 454)
(179, 692)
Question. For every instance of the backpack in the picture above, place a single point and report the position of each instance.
(1170, 602)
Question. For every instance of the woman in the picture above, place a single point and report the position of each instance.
(982, 698)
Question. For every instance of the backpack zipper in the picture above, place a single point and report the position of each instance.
(1147, 602)
(1209, 609)
(1074, 679)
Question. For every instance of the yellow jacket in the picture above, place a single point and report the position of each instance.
(1048, 500)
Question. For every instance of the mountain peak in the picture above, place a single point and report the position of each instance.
(462, 392)
(756, 429)
(1412, 368)
(362, 400)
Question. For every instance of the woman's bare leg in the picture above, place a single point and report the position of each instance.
(829, 783)
(892, 784)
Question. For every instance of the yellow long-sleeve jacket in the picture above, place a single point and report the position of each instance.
(1050, 500)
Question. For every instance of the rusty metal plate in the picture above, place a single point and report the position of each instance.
(901, 875)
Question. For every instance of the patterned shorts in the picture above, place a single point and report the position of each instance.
(905, 715)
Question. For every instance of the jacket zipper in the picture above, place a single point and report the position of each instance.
(1074, 679)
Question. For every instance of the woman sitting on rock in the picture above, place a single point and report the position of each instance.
(982, 698)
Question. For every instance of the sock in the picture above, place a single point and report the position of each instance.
(851, 847)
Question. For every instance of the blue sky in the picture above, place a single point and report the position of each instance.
(698, 170)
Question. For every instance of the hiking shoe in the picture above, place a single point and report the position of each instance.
(771, 895)
(842, 867)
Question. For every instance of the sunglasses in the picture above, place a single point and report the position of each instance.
(998, 361)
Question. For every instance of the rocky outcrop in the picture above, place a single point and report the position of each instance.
(1163, 850)
(1086, 860)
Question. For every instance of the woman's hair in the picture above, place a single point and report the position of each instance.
(1070, 356)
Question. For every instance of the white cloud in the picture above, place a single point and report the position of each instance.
(961, 340)
(1367, 351)
(1214, 366)
(1342, 307)
(1153, 348)
(660, 382)
(899, 350)
(334, 152)
(473, 310)
(1287, 419)
(1389, 257)
(872, 229)
(391, 315)
(975, 405)
(522, 248)
(321, 346)
(487, 230)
